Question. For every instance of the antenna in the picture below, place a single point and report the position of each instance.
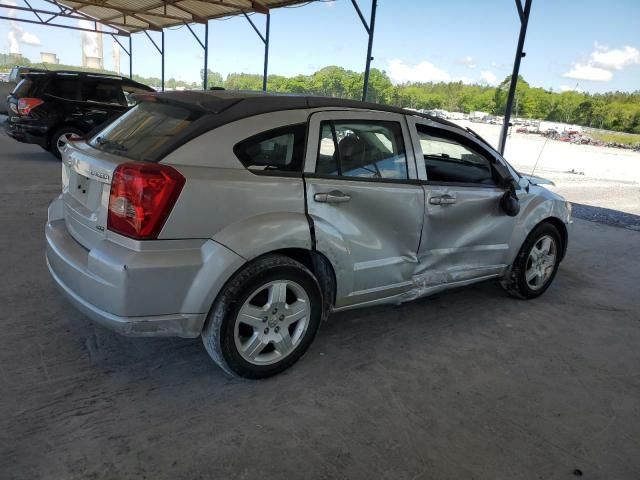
(538, 159)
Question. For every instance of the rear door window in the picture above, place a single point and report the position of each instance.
(65, 86)
(103, 91)
(362, 149)
(142, 131)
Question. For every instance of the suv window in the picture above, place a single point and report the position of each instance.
(449, 159)
(23, 88)
(143, 130)
(65, 86)
(130, 90)
(101, 91)
(362, 149)
(280, 149)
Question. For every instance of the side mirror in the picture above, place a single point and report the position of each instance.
(510, 203)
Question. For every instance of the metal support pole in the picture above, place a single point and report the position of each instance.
(162, 56)
(160, 50)
(266, 55)
(205, 82)
(524, 20)
(130, 58)
(372, 25)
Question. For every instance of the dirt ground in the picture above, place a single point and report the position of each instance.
(467, 384)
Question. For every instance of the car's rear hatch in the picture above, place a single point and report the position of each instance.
(88, 167)
(86, 182)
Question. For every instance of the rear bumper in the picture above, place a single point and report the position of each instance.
(164, 291)
(28, 133)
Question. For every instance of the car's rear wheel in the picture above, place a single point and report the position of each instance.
(537, 262)
(265, 318)
(60, 138)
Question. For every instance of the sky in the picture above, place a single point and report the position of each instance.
(591, 45)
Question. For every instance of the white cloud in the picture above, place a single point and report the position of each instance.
(567, 88)
(90, 41)
(487, 76)
(29, 38)
(615, 59)
(588, 72)
(14, 44)
(401, 72)
(10, 11)
(17, 35)
(466, 61)
(603, 61)
(465, 80)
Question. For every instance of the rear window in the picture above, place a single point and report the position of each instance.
(143, 130)
(23, 88)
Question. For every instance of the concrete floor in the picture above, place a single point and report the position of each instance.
(468, 384)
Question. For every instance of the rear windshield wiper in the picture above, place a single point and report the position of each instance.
(103, 142)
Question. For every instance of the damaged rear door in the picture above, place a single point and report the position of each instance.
(365, 202)
(466, 234)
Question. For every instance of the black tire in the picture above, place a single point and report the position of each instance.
(53, 141)
(516, 284)
(219, 330)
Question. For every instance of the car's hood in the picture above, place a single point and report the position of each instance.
(538, 180)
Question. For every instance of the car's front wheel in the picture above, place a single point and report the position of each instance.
(265, 318)
(537, 262)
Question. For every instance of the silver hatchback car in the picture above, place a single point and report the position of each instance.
(247, 218)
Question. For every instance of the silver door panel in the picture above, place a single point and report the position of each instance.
(463, 240)
(370, 240)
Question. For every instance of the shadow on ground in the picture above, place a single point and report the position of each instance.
(606, 216)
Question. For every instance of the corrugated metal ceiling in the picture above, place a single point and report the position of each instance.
(134, 16)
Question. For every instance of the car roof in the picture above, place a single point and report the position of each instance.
(235, 105)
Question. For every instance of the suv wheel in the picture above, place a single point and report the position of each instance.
(265, 318)
(60, 138)
(536, 264)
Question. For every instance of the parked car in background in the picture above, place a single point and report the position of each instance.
(9, 83)
(48, 108)
(247, 218)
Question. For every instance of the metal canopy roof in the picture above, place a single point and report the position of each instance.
(133, 16)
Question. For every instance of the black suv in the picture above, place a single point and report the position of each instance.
(49, 108)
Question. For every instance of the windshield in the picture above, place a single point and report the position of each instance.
(143, 130)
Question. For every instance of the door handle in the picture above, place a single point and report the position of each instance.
(445, 199)
(335, 196)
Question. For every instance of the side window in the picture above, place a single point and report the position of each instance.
(280, 149)
(100, 91)
(65, 86)
(362, 149)
(448, 159)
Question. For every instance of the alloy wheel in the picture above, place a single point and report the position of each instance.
(63, 139)
(541, 262)
(272, 322)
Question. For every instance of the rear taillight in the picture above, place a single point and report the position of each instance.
(26, 104)
(142, 196)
